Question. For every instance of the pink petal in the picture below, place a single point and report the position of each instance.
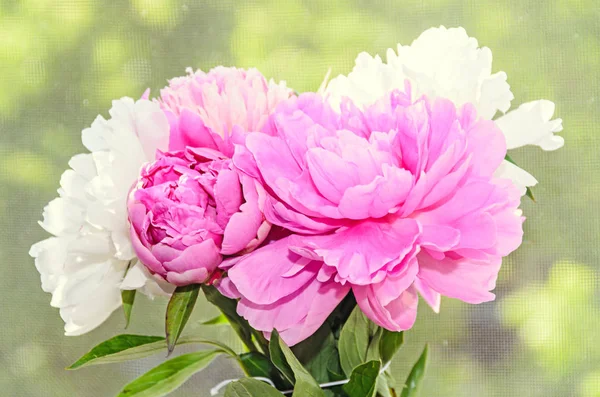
(439, 237)
(199, 256)
(192, 276)
(297, 316)
(487, 145)
(359, 251)
(330, 173)
(244, 225)
(432, 297)
(259, 276)
(469, 280)
(398, 314)
(190, 131)
(379, 197)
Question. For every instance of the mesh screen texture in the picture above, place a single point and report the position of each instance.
(62, 62)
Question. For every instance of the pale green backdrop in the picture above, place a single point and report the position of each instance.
(61, 63)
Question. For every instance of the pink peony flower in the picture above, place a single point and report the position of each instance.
(214, 109)
(189, 210)
(388, 201)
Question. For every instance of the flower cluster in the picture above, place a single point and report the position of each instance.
(390, 183)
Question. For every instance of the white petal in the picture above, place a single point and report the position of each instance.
(531, 124)
(495, 95)
(369, 80)
(62, 216)
(145, 120)
(93, 307)
(521, 178)
(83, 268)
(94, 138)
(50, 256)
(75, 287)
(84, 165)
(73, 184)
(440, 63)
(122, 243)
(138, 277)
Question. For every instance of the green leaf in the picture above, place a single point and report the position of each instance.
(334, 368)
(256, 364)
(219, 320)
(127, 297)
(305, 385)
(132, 347)
(373, 351)
(363, 381)
(248, 387)
(354, 341)
(179, 310)
(121, 348)
(279, 360)
(383, 388)
(169, 375)
(317, 352)
(415, 377)
(229, 309)
(509, 159)
(529, 193)
(389, 343)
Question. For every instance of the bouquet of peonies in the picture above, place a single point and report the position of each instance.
(312, 221)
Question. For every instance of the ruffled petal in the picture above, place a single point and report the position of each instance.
(531, 124)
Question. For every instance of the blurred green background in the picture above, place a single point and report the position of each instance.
(62, 62)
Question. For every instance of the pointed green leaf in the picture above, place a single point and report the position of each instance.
(317, 352)
(389, 343)
(132, 347)
(354, 341)
(219, 320)
(383, 388)
(363, 381)
(319, 365)
(529, 193)
(169, 375)
(127, 297)
(121, 348)
(256, 364)
(509, 159)
(179, 310)
(411, 387)
(280, 362)
(229, 309)
(248, 387)
(373, 351)
(305, 385)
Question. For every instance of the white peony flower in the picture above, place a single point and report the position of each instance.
(448, 63)
(83, 266)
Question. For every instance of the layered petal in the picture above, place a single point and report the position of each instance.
(279, 290)
(367, 251)
(83, 267)
(212, 109)
(441, 62)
